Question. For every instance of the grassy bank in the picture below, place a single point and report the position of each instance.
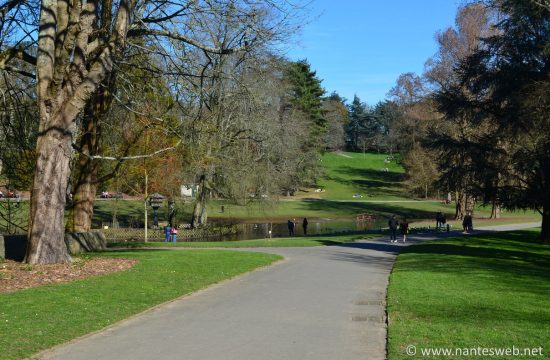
(275, 242)
(487, 291)
(39, 318)
(367, 174)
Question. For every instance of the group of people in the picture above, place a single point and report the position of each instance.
(170, 233)
(10, 194)
(393, 224)
(291, 224)
(440, 218)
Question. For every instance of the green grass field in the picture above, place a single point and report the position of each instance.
(350, 173)
(39, 318)
(486, 291)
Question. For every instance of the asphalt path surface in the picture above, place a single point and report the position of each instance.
(319, 303)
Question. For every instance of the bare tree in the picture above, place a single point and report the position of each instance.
(473, 23)
(72, 48)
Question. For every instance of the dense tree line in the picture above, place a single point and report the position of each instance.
(477, 118)
(88, 86)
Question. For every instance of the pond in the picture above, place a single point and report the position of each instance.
(260, 230)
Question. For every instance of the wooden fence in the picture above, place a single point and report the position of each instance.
(138, 234)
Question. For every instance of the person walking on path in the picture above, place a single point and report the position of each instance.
(304, 225)
(392, 224)
(290, 225)
(167, 232)
(404, 229)
(467, 223)
(174, 234)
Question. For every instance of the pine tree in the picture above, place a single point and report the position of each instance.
(306, 95)
(357, 116)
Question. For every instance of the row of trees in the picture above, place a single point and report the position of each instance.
(477, 119)
(475, 124)
(163, 93)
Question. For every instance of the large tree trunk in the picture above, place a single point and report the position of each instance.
(495, 210)
(460, 207)
(200, 214)
(84, 200)
(470, 202)
(46, 242)
(86, 182)
(66, 79)
(545, 228)
(86, 167)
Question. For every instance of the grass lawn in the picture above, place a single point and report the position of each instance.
(486, 291)
(39, 318)
(275, 242)
(358, 173)
(273, 210)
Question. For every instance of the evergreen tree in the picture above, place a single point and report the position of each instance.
(306, 95)
(357, 116)
(386, 115)
(337, 119)
(503, 99)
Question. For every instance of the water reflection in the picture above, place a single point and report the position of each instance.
(261, 230)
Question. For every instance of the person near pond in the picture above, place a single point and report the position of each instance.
(392, 224)
(290, 225)
(467, 223)
(167, 232)
(404, 229)
(174, 233)
(304, 225)
(438, 220)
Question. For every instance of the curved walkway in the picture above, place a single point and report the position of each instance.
(321, 303)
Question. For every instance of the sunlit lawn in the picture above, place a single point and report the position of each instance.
(363, 174)
(39, 318)
(486, 291)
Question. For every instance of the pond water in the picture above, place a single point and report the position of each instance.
(260, 230)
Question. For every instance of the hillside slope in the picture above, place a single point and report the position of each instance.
(372, 176)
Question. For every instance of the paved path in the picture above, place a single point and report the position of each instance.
(320, 303)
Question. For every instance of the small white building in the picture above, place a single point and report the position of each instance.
(188, 190)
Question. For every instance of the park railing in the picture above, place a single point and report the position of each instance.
(138, 234)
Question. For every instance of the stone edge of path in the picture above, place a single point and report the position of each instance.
(43, 353)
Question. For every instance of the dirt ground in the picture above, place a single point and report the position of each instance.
(15, 275)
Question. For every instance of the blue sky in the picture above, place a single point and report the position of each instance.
(362, 46)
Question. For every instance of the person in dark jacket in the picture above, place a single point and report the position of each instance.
(290, 225)
(467, 223)
(167, 233)
(392, 224)
(304, 225)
